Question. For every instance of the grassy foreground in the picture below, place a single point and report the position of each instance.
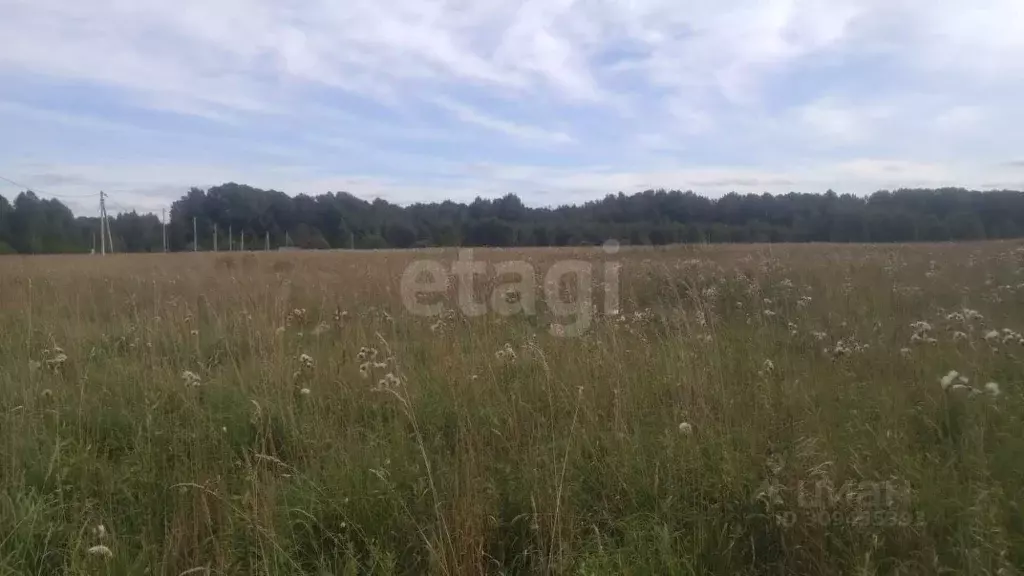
(750, 410)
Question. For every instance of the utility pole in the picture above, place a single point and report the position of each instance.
(267, 237)
(231, 245)
(110, 238)
(103, 223)
(214, 236)
(164, 221)
(243, 241)
(195, 236)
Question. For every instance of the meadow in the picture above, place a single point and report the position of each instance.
(788, 409)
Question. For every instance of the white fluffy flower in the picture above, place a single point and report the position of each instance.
(993, 389)
(686, 428)
(101, 551)
(190, 378)
(953, 376)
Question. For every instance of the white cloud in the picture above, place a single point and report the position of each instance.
(656, 92)
(842, 123)
(516, 130)
(961, 118)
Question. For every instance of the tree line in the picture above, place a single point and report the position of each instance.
(32, 225)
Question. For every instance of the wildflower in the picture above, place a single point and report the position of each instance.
(101, 551)
(991, 336)
(769, 313)
(380, 365)
(506, 354)
(1009, 336)
(686, 428)
(702, 319)
(190, 378)
(993, 389)
(306, 361)
(905, 352)
(437, 326)
(389, 381)
(921, 326)
(952, 377)
(364, 369)
(958, 336)
(99, 532)
(366, 354)
(769, 366)
(304, 391)
(819, 336)
(57, 361)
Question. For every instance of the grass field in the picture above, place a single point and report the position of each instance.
(747, 410)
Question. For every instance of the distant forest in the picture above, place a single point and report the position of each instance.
(31, 225)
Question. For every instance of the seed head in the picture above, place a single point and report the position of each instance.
(506, 354)
(952, 377)
(191, 379)
(101, 551)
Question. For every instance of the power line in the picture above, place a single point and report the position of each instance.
(31, 189)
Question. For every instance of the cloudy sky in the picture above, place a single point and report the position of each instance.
(556, 100)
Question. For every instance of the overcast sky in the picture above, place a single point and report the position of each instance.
(555, 100)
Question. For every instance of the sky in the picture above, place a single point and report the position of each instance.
(558, 101)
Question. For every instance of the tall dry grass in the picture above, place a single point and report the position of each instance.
(751, 410)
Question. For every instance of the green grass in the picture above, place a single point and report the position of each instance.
(567, 459)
